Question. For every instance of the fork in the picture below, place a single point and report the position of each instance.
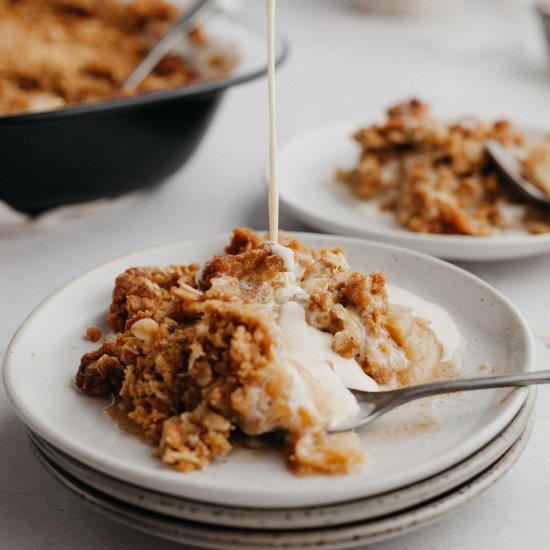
(374, 404)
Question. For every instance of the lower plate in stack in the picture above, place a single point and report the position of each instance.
(334, 537)
(293, 518)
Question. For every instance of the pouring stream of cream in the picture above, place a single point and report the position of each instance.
(273, 190)
(307, 349)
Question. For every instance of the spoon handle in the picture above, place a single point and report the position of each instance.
(165, 44)
(485, 382)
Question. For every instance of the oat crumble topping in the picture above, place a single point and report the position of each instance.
(435, 177)
(59, 52)
(198, 352)
(93, 334)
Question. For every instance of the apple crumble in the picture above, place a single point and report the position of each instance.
(436, 177)
(58, 52)
(266, 337)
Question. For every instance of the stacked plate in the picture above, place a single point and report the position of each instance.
(346, 525)
(423, 459)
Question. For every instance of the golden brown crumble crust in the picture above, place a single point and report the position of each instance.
(94, 334)
(436, 177)
(55, 52)
(190, 363)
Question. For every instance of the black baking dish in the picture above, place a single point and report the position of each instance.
(103, 149)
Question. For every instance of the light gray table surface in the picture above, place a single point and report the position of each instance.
(471, 56)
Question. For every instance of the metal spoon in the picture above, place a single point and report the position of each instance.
(182, 26)
(374, 404)
(509, 168)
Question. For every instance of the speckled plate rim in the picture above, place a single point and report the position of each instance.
(231, 491)
(311, 517)
(330, 538)
(345, 221)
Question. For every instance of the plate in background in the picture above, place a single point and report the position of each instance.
(309, 190)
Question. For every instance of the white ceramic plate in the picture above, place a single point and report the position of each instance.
(412, 443)
(330, 538)
(308, 190)
(298, 518)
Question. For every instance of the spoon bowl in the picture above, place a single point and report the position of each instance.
(510, 170)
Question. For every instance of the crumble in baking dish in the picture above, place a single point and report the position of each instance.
(59, 52)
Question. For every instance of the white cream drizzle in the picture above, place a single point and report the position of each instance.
(309, 349)
(289, 290)
(286, 254)
(199, 275)
(307, 342)
(273, 202)
(439, 319)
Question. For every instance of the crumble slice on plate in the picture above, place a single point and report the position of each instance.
(199, 352)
